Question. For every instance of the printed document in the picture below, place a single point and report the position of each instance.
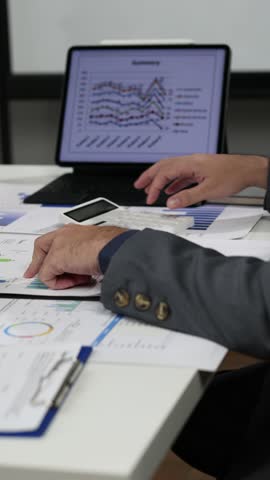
(15, 255)
(114, 339)
(38, 221)
(133, 342)
(29, 382)
(34, 287)
(235, 222)
(50, 322)
(216, 221)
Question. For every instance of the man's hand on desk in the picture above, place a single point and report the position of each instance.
(69, 256)
(217, 176)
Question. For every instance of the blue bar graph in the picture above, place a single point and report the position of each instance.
(36, 283)
(203, 216)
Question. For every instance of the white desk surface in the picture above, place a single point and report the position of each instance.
(117, 423)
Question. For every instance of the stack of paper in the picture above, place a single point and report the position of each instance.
(44, 342)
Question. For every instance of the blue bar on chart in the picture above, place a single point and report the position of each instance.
(36, 283)
(203, 216)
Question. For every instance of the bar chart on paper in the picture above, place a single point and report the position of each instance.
(220, 221)
(37, 284)
(203, 216)
(64, 306)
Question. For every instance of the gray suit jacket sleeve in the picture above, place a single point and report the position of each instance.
(226, 300)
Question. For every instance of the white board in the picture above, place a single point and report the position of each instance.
(42, 31)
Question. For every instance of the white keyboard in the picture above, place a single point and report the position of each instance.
(139, 220)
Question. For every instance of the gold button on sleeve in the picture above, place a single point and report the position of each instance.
(142, 302)
(162, 311)
(121, 298)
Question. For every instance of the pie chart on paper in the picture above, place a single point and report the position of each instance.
(28, 329)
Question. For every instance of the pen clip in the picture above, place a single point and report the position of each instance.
(70, 379)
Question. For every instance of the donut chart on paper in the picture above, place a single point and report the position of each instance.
(28, 329)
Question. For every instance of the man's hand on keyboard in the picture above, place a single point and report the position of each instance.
(217, 176)
(69, 256)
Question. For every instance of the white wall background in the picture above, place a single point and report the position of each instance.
(42, 30)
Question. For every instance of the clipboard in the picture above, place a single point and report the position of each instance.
(62, 393)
